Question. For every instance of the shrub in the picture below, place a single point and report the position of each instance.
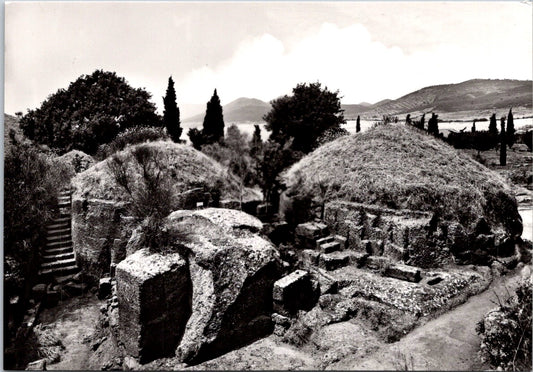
(506, 332)
(31, 183)
(131, 136)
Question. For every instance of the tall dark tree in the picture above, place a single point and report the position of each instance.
(90, 112)
(358, 124)
(213, 126)
(171, 113)
(304, 116)
(422, 121)
(474, 126)
(493, 126)
(256, 144)
(408, 120)
(503, 143)
(433, 125)
(510, 129)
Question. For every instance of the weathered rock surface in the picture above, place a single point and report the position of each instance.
(154, 294)
(293, 292)
(232, 271)
(224, 269)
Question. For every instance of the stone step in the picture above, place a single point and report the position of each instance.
(58, 257)
(336, 260)
(60, 263)
(61, 225)
(58, 250)
(55, 238)
(330, 247)
(60, 220)
(67, 243)
(321, 241)
(62, 231)
(65, 204)
(66, 270)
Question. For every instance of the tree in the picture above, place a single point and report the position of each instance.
(304, 116)
(256, 144)
(433, 125)
(90, 112)
(422, 121)
(213, 126)
(408, 119)
(474, 126)
(493, 127)
(171, 113)
(510, 129)
(503, 143)
(197, 138)
(358, 124)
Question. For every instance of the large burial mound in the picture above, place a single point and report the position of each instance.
(101, 219)
(406, 178)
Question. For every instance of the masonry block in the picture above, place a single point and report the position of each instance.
(154, 295)
(403, 272)
(293, 292)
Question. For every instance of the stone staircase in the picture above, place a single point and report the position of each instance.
(58, 254)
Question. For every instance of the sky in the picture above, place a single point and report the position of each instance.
(368, 51)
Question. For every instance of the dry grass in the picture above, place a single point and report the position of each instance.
(402, 168)
(183, 167)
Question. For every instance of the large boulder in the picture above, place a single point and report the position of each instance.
(231, 270)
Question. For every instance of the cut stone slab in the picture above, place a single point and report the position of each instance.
(334, 260)
(321, 241)
(293, 292)
(330, 247)
(154, 294)
(403, 272)
(306, 234)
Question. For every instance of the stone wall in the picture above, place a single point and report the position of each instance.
(100, 231)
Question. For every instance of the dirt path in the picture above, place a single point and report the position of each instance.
(449, 342)
(76, 320)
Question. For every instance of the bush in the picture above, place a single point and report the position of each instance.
(131, 136)
(506, 332)
(31, 184)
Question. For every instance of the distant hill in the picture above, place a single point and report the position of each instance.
(469, 96)
(472, 97)
(239, 111)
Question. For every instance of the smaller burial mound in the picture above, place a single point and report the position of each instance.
(220, 287)
(399, 168)
(102, 221)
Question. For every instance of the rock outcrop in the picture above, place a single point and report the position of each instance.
(231, 270)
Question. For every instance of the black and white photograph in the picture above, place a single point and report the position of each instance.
(268, 185)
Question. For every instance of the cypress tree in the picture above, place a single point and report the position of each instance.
(474, 126)
(358, 124)
(422, 121)
(171, 113)
(433, 125)
(213, 126)
(408, 119)
(510, 129)
(503, 144)
(256, 144)
(493, 126)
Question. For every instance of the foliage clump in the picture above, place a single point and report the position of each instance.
(506, 332)
(131, 136)
(90, 112)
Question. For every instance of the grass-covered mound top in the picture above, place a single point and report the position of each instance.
(400, 167)
(179, 167)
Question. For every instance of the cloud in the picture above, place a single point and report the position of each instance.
(347, 59)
